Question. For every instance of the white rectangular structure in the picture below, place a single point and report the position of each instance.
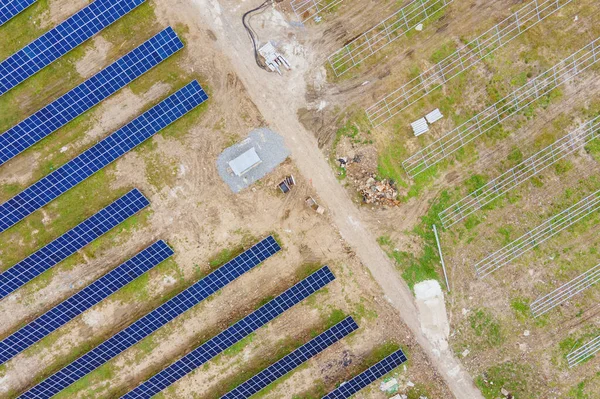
(420, 126)
(244, 162)
(434, 116)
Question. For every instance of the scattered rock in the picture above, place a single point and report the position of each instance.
(466, 353)
(526, 333)
(379, 192)
(504, 392)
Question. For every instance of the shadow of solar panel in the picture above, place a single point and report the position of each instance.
(10, 8)
(88, 94)
(233, 334)
(59, 41)
(349, 388)
(155, 319)
(72, 241)
(84, 299)
(101, 154)
(293, 360)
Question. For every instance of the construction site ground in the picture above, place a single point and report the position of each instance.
(375, 233)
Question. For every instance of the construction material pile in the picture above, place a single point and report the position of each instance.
(379, 192)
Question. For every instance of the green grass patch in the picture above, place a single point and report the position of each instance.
(593, 149)
(239, 346)
(486, 327)
(516, 378)
(521, 308)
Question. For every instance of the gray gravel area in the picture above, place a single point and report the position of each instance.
(270, 148)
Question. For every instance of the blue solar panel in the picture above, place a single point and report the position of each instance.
(72, 241)
(100, 155)
(57, 42)
(88, 94)
(293, 360)
(349, 388)
(10, 8)
(231, 335)
(84, 299)
(154, 320)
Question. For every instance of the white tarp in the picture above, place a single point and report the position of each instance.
(434, 116)
(420, 126)
(244, 162)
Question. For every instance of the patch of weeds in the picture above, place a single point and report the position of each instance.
(578, 392)
(389, 162)
(224, 256)
(486, 327)
(562, 167)
(515, 157)
(447, 49)
(240, 345)
(475, 182)
(102, 373)
(417, 392)
(472, 221)
(424, 266)
(160, 171)
(362, 312)
(536, 181)
(593, 149)
(516, 378)
(521, 307)
(333, 317)
(505, 233)
(306, 269)
(378, 353)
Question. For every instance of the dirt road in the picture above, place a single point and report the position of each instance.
(278, 99)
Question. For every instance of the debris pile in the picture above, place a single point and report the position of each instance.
(379, 192)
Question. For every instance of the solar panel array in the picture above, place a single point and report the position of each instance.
(293, 360)
(58, 41)
(88, 94)
(146, 325)
(72, 241)
(233, 334)
(84, 299)
(101, 154)
(10, 8)
(349, 388)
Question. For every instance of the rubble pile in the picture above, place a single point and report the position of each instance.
(379, 192)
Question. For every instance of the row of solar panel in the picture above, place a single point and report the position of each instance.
(100, 155)
(72, 241)
(152, 321)
(65, 109)
(88, 94)
(293, 360)
(171, 309)
(61, 39)
(10, 8)
(349, 388)
(233, 334)
(84, 299)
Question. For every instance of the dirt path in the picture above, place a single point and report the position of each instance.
(278, 98)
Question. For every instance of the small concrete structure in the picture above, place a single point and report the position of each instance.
(273, 59)
(251, 159)
(244, 162)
